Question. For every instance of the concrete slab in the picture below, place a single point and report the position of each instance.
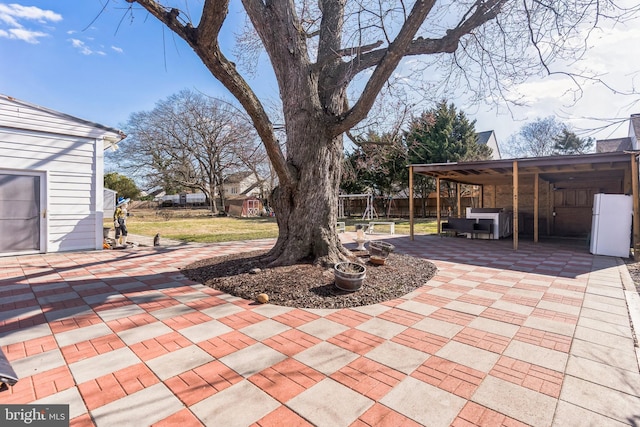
(265, 329)
(438, 327)
(326, 357)
(600, 399)
(71, 397)
(494, 326)
(252, 359)
(205, 331)
(605, 375)
(38, 363)
(173, 311)
(381, 328)
(242, 404)
(606, 327)
(398, 357)
(149, 405)
(522, 404)
(534, 354)
(179, 361)
(603, 338)
(120, 312)
(568, 414)
(435, 408)
(271, 310)
(417, 307)
(619, 358)
(323, 328)
(24, 334)
(103, 364)
(53, 298)
(82, 334)
(512, 307)
(144, 332)
(329, 403)
(473, 357)
(464, 307)
(548, 325)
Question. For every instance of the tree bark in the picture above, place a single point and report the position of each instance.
(307, 210)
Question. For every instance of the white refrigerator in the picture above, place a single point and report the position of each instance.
(611, 225)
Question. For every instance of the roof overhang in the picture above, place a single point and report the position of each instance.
(583, 167)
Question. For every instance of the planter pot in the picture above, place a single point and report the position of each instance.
(380, 249)
(377, 260)
(349, 276)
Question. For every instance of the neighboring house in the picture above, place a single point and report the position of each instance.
(241, 183)
(630, 142)
(51, 179)
(488, 138)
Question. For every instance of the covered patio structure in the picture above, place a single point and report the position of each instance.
(550, 196)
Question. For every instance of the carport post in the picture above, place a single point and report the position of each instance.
(515, 205)
(411, 202)
(438, 204)
(536, 200)
(636, 206)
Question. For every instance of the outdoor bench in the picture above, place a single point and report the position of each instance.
(469, 226)
(391, 225)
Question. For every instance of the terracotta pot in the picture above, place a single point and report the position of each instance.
(349, 276)
(377, 260)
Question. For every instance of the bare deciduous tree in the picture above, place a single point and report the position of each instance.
(534, 139)
(191, 141)
(332, 59)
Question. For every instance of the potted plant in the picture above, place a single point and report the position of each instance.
(349, 276)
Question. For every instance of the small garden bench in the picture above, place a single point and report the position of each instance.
(391, 225)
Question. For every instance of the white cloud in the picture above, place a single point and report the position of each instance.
(32, 13)
(117, 49)
(12, 16)
(82, 48)
(24, 35)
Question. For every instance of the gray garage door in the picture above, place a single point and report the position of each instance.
(19, 213)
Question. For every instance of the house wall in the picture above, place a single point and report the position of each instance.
(73, 212)
(501, 196)
(564, 208)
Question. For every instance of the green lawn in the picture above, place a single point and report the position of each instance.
(190, 227)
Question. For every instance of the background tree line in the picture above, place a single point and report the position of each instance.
(192, 142)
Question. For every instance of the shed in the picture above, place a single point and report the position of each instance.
(51, 179)
(109, 202)
(244, 206)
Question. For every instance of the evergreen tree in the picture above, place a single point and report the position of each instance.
(570, 143)
(124, 186)
(442, 135)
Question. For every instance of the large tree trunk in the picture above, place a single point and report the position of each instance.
(306, 211)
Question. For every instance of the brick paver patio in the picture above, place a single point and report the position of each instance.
(540, 336)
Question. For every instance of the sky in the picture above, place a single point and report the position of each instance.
(103, 65)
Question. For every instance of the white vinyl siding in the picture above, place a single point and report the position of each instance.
(70, 152)
(19, 115)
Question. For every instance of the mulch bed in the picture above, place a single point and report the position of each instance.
(305, 285)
